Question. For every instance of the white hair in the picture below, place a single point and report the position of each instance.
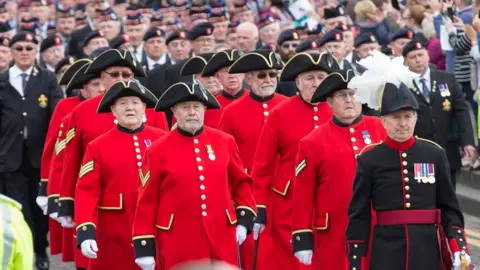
(248, 26)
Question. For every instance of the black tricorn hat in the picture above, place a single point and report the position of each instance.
(126, 89)
(114, 57)
(397, 98)
(256, 60)
(220, 60)
(71, 70)
(80, 78)
(303, 62)
(195, 64)
(334, 82)
(186, 91)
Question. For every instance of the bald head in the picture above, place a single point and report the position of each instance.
(247, 35)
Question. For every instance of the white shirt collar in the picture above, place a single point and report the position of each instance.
(15, 71)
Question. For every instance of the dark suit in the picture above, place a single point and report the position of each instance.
(436, 117)
(20, 157)
(75, 44)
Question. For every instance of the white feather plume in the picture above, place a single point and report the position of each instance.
(381, 69)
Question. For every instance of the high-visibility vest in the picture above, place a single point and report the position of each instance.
(16, 244)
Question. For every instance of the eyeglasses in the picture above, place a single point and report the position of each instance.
(263, 75)
(344, 95)
(21, 48)
(123, 74)
(292, 45)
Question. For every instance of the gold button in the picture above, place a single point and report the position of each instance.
(316, 127)
(355, 246)
(202, 177)
(406, 179)
(352, 130)
(135, 137)
(298, 238)
(315, 118)
(353, 139)
(195, 141)
(136, 144)
(405, 171)
(265, 105)
(315, 108)
(407, 196)
(404, 163)
(265, 113)
(407, 188)
(24, 114)
(461, 239)
(354, 268)
(197, 150)
(84, 228)
(407, 205)
(404, 155)
(354, 257)
(459, 231)
(242, 213)
(144, 243)
(355, 148)
(139, 164)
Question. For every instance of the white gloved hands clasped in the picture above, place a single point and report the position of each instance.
(66, 222)
(457, 261)
(89, 248)
(304, 256)
(42, 202)
(146, 263)
(55, 217)
(241, 234)
(257, 230)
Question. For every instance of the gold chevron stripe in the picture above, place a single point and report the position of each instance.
(60, 146)
(70, 135)
(302, 165)
(144, 178)
(86, 168)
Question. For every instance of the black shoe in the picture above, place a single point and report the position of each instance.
(42, 262)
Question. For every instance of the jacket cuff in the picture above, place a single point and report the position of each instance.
(459, 242)
(302, 240)
(52, 204)
(65, 207)
(42, 188)
(261, 214)
(86, 231)
(144, 246)
(245, 217)
(355, 252)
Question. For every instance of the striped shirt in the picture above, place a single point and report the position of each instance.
(461, 45)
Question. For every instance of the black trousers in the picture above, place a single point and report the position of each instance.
(22, 186)
(453, 178)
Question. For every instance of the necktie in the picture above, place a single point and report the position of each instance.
(425, 90)
(24, 81)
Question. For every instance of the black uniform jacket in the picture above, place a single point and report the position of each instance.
(34, 111)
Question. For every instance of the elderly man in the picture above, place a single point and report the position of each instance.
(322, 192)
(167, 218)
(155, 49)
(135, 28)
(399, 39)
(93, 41)
(28, 96)
(5, 54)
(333, 42)
(247, 36)
(243, 12)
(440, 101)
(286, 125)
(269, 31)
(406, 180)
(107, 188)
(364, 45)
(51, 52)
(349, 40)
(109, 25)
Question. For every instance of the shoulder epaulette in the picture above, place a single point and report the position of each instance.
(10, 201)
(429, 141)
(368, 147)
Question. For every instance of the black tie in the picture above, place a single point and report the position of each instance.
(425, 90)
(24, 81)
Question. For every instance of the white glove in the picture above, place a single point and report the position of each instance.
(146, 263)
(457, 262)
(42, 202)
(241, 234)
(89, 248)
(304, 256)
(257, 230)
(55, 217)
(66, 222)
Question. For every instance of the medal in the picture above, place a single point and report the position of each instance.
(366, 137)
(211, 154)
(147, 142)
(431, 173)
(447, 106)
(431, 179)
(417, 168)
(424, 179)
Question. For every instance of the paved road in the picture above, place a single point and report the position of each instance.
(473, 236)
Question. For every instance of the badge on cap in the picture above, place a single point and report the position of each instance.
(410, 34)
(372, 38)
(209, 31)
(295, 35)
(181, 34)
(338, 37)
(125, 38)
(418, 45)
(366, 137)
(344, 27)
(158, 32)
(313, 45)
(424, 173)
(57, 41)
(28, 37)
(211, 154)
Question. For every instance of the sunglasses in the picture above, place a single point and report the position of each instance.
(117, 74)
(20, 48)
(286, 46)
(263, 75)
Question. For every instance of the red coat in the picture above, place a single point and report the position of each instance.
(53, 191)
(106, 193)
(287, 124)
(85, 126)
(325, 170)
(244, 120)
(54, 133)
(212, 117)
(185, 205)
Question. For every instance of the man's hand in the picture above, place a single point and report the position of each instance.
(241, 232)
(471, 152)
(257, 230)
(89, 248)
(66, 222)
(42, 202)
(457, 260)
(146, 263)
(304, 256)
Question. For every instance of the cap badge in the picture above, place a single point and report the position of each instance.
(295, 35)
(338, 37)
(418, 45)
(313, 45)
